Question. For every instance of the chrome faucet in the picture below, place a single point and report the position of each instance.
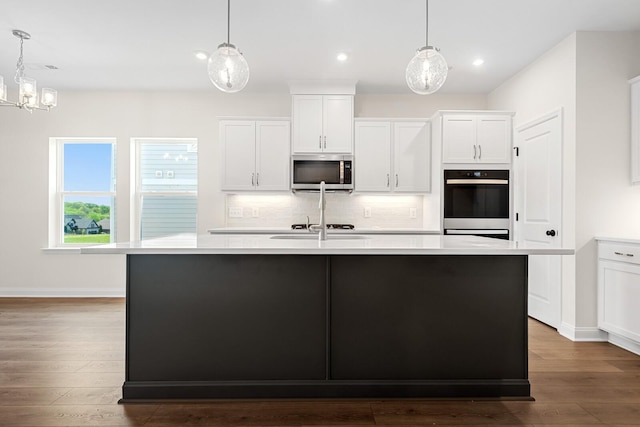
(322, 227)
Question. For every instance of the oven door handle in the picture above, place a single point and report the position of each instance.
(476, 231)
(478, 181)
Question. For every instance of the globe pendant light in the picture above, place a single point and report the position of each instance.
(427, 70)
(227, 68)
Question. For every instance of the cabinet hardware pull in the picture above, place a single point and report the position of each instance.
(479, 152)
(474, 152)
(629, 254)
(252, 179)
(618, 253)
(325, 141)
(320, 141)
(387, 180)
(258, 180)
(396, 180)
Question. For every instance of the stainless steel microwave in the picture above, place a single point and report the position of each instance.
(308, 170)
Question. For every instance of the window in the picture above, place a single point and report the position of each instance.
(165, 188)
(82, 191)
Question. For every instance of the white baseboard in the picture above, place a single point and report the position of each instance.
(625, 343)
(61, 292)
(577, 333)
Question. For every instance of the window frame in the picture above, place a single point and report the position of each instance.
(136, 194)
(57, 193)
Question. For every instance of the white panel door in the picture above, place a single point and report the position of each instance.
(411, 157)
(373, 156)
(458, 139)
(338, 124)
(272, 155)
(494, 139)
(307, 123)
(539, 207)
(237, 139)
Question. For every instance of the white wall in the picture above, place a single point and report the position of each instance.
(544, 86)
(26, 270)
(606, 202)
(586, 75)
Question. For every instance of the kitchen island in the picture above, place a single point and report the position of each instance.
(288, 316)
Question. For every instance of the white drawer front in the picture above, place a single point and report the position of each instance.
(619, 299)
(619, 252)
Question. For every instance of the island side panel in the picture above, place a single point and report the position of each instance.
(429, 318)
(225, 318)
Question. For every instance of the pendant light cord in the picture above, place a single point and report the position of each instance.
(228, 19)
(426, 36)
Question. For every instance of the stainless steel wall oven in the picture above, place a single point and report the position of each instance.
(476, 202)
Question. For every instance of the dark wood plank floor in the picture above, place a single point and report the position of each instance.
(61, 364)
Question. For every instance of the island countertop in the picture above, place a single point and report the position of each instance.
(334, 245)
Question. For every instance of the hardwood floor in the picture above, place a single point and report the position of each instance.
(62, 364)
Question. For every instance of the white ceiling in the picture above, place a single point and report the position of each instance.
(148, 44)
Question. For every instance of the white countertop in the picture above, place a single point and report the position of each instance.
(288, 230)
(630, 240)
(339, 245)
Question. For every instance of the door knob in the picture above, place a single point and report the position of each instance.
(551, 233)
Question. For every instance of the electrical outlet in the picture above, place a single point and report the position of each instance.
(367, 212)
(235, 212)
(170, 174)
(412, 212)
(158, 174)
(255, 212)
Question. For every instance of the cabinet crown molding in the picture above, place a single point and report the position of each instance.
(322, 87)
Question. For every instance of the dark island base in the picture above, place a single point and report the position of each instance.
(155, 391)
(315, 326)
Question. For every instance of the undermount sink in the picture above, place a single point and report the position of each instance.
(315, 237)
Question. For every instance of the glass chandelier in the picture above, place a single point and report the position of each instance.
(427, 70)
(227, 68)
(27, 93)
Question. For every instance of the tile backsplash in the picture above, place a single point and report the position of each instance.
(363, 211)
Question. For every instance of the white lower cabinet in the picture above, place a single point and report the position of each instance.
(255, 155)
(393, 156)
(619, 289)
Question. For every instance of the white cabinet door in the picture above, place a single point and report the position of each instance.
(619, 298)
(493, 139)
(272, 155)
(459, 139)
(412, 157)
(337, 116)
(322, 123)
(307, 123)
(373, 156)
(476, 138)
(237, 139)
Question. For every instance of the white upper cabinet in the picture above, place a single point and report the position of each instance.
(635, 130)
(322, 123)
(476, 138)
(255, 155)
(392, 156)
(412, 156)
(372, 156)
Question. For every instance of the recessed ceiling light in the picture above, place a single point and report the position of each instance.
(342, 57)
(478, 62)
(201, 54)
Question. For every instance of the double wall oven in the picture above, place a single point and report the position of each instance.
(476, 202)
